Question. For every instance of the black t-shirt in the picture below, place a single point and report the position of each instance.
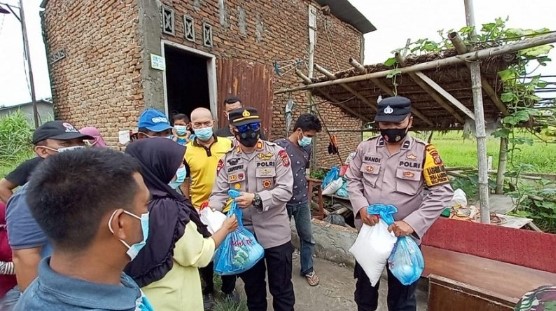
(23, 171)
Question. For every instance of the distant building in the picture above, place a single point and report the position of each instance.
(44, 107)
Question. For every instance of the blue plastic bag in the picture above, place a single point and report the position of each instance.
(406, 261)
(332, 175)
(386, 212)
(239, 251)
(342, 192)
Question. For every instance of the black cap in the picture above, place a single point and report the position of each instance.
(59, 130)
(243, 116)
(393, 109)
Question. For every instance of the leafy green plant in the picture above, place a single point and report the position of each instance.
(15, 141)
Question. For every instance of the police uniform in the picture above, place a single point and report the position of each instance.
(266, 172)
(412, 179)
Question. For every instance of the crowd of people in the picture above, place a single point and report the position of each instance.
(94, 228)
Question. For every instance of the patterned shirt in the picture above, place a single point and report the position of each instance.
(299, 158)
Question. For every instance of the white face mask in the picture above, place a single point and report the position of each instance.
(133, 250)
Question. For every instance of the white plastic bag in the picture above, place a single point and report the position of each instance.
(212, 218)
(333, 186)
(372, 249)
(459, 200)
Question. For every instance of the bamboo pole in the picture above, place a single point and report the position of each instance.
(423, 85)
(502, 161)
(331, 76)
(468, 57)
(330, 98)
(480, 131)
(462, 49)
(357, 65)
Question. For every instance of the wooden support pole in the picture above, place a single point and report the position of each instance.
(480, 131)
(357, 65)
(502, 161)
(468, 57)
(331, 76)
(462, 49)
(332, 99)
(429, 90)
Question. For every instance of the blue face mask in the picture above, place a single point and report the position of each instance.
(204, 133)
(134, 249)
(181, 129)
(180, 178)
(305, 141)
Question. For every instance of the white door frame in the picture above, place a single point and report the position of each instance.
(211, 70)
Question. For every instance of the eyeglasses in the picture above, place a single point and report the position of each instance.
(251, 126)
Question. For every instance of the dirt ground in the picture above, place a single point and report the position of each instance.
(335, 291)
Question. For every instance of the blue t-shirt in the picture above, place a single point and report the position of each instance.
(54, 291)
(23, 230)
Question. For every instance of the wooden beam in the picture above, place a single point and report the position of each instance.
(331, 76)
(445, 94)
(429, 90)
(462, 49)
(357, 65)
(468, 57)
(331, 99)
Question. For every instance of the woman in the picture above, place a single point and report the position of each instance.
(7, 272)
(178, 244)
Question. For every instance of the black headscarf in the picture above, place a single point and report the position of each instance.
(169, 211)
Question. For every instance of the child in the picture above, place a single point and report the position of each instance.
(181, 129)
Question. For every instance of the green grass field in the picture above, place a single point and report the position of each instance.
(459, 152)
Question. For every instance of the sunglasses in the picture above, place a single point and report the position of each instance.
(246, 127)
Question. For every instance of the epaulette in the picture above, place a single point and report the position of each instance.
(420, 141)
(375, 137)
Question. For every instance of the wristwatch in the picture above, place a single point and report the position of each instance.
(257, 202)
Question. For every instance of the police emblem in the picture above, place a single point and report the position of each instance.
(267, 183)
(246, 113)
(388, 110)
(408, 174)
(237, 186)
(411, 156)
(369, 169)
(220, 165)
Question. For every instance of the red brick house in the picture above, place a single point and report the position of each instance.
(104, 58)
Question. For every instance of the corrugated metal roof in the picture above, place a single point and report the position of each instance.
(346, 12)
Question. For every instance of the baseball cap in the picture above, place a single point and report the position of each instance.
(393, 109)
(93, 131)
(153, 120)
(242, 116)
(59, 130)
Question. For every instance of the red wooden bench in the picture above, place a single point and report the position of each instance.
(473, 266)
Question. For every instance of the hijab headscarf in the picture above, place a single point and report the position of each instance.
(94, 132)
(169, 211)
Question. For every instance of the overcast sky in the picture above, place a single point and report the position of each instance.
(395, 20)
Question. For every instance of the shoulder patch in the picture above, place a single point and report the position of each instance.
(220, 165)
(373, 138)
(269, 143)
(283, 154)
(433, 170)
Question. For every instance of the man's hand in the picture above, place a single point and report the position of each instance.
(245, 199)
(400, 228)
(367, 219)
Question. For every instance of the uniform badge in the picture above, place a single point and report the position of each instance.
(259, 145)
(388, 110)
(408, 174)
(246, 113)
(220, 165)
(237, 186)
(240, 176)
(267, 183)
(411, 156)
(233, 161)
(284, 156)
(369, 169)
(434, 154)
(232, 178)
(265, 156)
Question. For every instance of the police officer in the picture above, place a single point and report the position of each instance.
(261, 171)
(395, 168)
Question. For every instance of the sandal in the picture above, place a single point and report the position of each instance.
(312, 279)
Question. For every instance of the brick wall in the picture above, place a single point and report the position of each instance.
(277, 30)
(98, 82)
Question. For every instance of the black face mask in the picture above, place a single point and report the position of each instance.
(393, 135)
(249, 138)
